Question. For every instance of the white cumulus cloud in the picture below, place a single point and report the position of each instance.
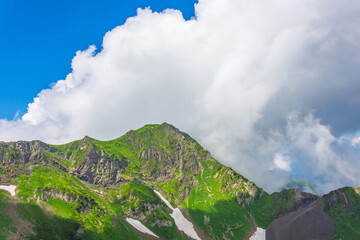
(282, 162)
(355, 141)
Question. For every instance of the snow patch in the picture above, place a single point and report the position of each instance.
(164, 200)
(10, 189)
(140, 227)
(181, 222)
(259, 234)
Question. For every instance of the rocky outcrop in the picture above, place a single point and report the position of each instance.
(100, 168)
(338, 199)
(83, 203)
(162, 223)
(15, 157)
(53, 193)
(307, 222)
(23, 152)
(142, 212)
(298, 199)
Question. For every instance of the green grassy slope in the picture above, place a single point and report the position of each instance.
(218, 204)
(99, 212)
(343, 206)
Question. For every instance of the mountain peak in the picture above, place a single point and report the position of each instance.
(87, 139)
(168, 127)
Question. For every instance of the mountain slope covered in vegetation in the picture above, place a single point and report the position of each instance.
(89, 189)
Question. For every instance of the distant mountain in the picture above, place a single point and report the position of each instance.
(154, 182)
(303, 185)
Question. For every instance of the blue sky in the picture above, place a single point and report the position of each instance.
(39, 38)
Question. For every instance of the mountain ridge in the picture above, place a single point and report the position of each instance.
(96, 184)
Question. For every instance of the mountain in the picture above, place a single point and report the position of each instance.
(303, 185)
(154, 182)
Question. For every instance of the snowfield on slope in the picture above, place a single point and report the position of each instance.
(181, 222)
(140, 227)
(10, 189)
(258, 235)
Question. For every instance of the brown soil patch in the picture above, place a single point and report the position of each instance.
(23, 227)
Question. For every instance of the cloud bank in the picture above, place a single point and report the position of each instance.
(269, 87)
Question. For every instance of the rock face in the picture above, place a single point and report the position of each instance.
(299, 199)
(141, 214)
(308, 221)
(100, 168)
(334, 215)
(338, 199)
(16, 156)
(68, 197)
